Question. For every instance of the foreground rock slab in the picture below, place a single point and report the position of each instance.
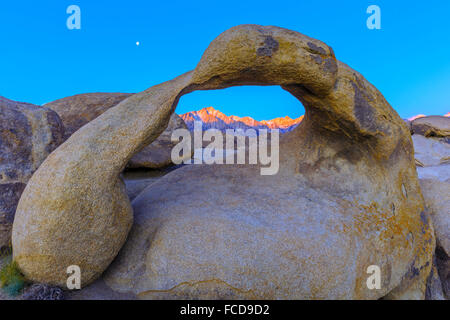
(437, 199)
(346, 196)
(28, 133)
(78, 110)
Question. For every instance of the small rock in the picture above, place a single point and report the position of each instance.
(345, 197)
(434, 285)
(430, 152)
(443, 266)
(437, 200)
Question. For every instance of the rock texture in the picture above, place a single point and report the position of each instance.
(432, 147)
(78, 110)
(437, 199)
(346, 195)
(137, 180)
(158, 153)
(41, 291)
(432, 126)
(86, 217)
(432, 156)
(430, 152)
(28, 134)
(221, 232)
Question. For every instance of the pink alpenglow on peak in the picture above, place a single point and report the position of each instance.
(212, 118)
(417, 117)
(282, 123)
(423, 116)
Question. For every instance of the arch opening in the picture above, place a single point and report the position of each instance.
(261, 103)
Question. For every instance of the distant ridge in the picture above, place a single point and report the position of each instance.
(212, 118)
(422, 116)
(417, 117)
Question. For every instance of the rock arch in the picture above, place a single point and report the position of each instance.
(352, 149)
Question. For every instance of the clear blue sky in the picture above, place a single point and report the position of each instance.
(41, 60)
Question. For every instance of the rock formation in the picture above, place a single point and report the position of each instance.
(433, 166)
(28, 133)
(431, 152)
(346, 196)
(76, 111)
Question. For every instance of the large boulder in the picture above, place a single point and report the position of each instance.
(227, 232)
(432, 126)
(346, 195)
(435, 289)
(76, 111)
(432, 156)
(158, 153)
(28, 133)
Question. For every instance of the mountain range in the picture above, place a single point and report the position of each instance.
(214, 119)
(422, 116)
